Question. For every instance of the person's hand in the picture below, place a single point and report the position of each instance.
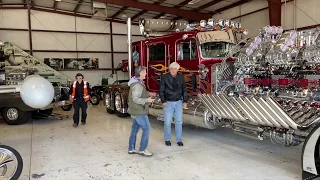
(164, 104)
(150, 100)
(153, 93)
(185, 105)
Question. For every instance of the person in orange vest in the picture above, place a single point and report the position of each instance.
(79, 96)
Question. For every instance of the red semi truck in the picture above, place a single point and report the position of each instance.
(268, 87)
(195, 47)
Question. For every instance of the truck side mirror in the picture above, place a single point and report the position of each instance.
(194, 82)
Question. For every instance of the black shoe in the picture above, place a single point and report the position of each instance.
(168, 143)
(83, 123)
(180, 144)
(75, 125)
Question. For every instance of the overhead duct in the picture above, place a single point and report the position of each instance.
(99, 10)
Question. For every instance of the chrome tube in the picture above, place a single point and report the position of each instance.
(213, 105)
(256, 112)
(208, 104)
(248, 126)
(252, 113)
(129, 46)
(244, 110)
(247, 134)
(273, 113)
(232, 107)
(266, 113)
(9, 89)
(294, 15)
(218, 107)
(228, 112)
(284, 115)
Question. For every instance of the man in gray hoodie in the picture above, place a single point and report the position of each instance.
(138, 102)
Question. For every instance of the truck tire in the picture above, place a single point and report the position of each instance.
(118, 105)
(94, 99)
(15, 116)
(110, 111)
(66, 107)
(107, 99)
(14, 154)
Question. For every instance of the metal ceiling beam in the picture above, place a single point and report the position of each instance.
(239, 3)
(144, 11)
(192, 15)
(119, 12)
(176, 6)
(274, 12)
(76, 9)
(209, 4)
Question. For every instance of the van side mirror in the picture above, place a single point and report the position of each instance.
(194, 82)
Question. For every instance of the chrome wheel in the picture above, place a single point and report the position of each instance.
(94, 99)
(118, 103)
(12, 114)
(209, 120)
(8, 164)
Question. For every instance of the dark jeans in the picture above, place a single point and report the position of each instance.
(77, 105)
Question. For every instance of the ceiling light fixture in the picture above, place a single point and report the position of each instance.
(194, 1)
(124, 16)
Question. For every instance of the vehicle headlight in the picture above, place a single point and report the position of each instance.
(203, 23)
(211, 22)
(246, 32)
(227, 23)
(221, 23)
(237, 25)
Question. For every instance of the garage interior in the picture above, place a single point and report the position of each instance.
(66, 35)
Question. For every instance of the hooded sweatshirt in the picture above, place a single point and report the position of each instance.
(137, 100)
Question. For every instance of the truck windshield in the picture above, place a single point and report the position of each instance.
(214, 49)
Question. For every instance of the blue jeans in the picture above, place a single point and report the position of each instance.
(140, 121)
(173, 108)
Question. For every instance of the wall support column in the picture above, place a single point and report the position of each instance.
(111, 41)
(29, 27)
(274, 12)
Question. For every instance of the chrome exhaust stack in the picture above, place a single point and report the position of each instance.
(129, 39)
(232, 107)
(263, 111)
(284, 117)
(243, 108)
(209, 105)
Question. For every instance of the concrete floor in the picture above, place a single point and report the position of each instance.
(54, 150)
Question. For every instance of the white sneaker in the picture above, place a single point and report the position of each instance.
(132, 152)
(145, 153)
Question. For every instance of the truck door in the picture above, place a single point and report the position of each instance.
(157, 64)
(186, 55)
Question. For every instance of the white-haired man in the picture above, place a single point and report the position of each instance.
(174, 97)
